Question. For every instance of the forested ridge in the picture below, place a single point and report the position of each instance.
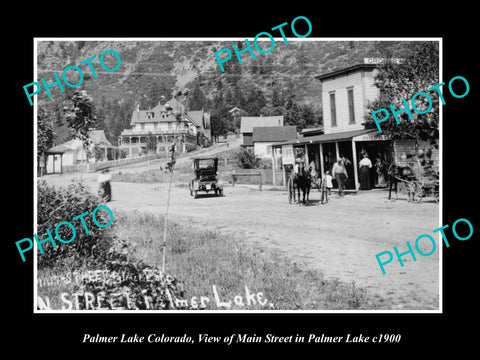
(279, 83)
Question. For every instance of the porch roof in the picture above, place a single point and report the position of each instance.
(338, 136)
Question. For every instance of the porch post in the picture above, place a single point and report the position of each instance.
(273, 166)
(337, 150)
(355, 165)
(321, 159)
(307, 161)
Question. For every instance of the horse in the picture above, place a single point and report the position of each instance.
(303, 181)
(395, 173)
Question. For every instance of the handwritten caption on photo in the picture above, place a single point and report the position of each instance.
(121, 300)
(410, 251)
(57, 235)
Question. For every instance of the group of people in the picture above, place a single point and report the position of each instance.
(340, 174)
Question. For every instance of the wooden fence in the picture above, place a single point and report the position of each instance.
(94, 166)
(254, 176)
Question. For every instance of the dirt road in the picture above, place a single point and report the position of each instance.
(340, 238)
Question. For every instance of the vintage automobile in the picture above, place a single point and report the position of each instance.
(206, 178)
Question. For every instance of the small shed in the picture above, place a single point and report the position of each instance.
(52, 163)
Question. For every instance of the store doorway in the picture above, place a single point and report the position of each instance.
(380, 156)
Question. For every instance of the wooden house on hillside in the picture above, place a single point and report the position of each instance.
(247, 123)
(166, 123)
(72, 153)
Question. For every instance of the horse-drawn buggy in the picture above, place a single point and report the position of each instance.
(418, 184)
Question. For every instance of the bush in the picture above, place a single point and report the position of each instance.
(56, 205)
(139, 285)
(247, 159)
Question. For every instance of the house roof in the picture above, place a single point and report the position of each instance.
(73, 144)
(346, 71)
(196, 117)
(274, 133)
(97, 136)
(234, 109)
(159, 113)
(247, 123)
(312, 131)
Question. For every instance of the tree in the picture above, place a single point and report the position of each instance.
(151, 145)
(247, 158)
(98, 153)
(277, 98)
(45, 136)
(396, 82)
(219, 116)
(301, 115)
(81, 118)
(196, 98)
(255, 101)
(301, 58)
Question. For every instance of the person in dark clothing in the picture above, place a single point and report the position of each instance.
(365, 165)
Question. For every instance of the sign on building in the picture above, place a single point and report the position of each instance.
(382, 60)
(288, 157)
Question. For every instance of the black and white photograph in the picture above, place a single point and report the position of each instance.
(265, 187)
(201, 181)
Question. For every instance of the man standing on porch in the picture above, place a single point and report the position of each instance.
(339, 172)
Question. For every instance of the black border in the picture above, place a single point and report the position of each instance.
(58, 332)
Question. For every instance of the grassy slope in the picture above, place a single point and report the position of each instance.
(204, 258)
(201, 259)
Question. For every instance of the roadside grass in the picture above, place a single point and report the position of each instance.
(182, 174)
(203, 258)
